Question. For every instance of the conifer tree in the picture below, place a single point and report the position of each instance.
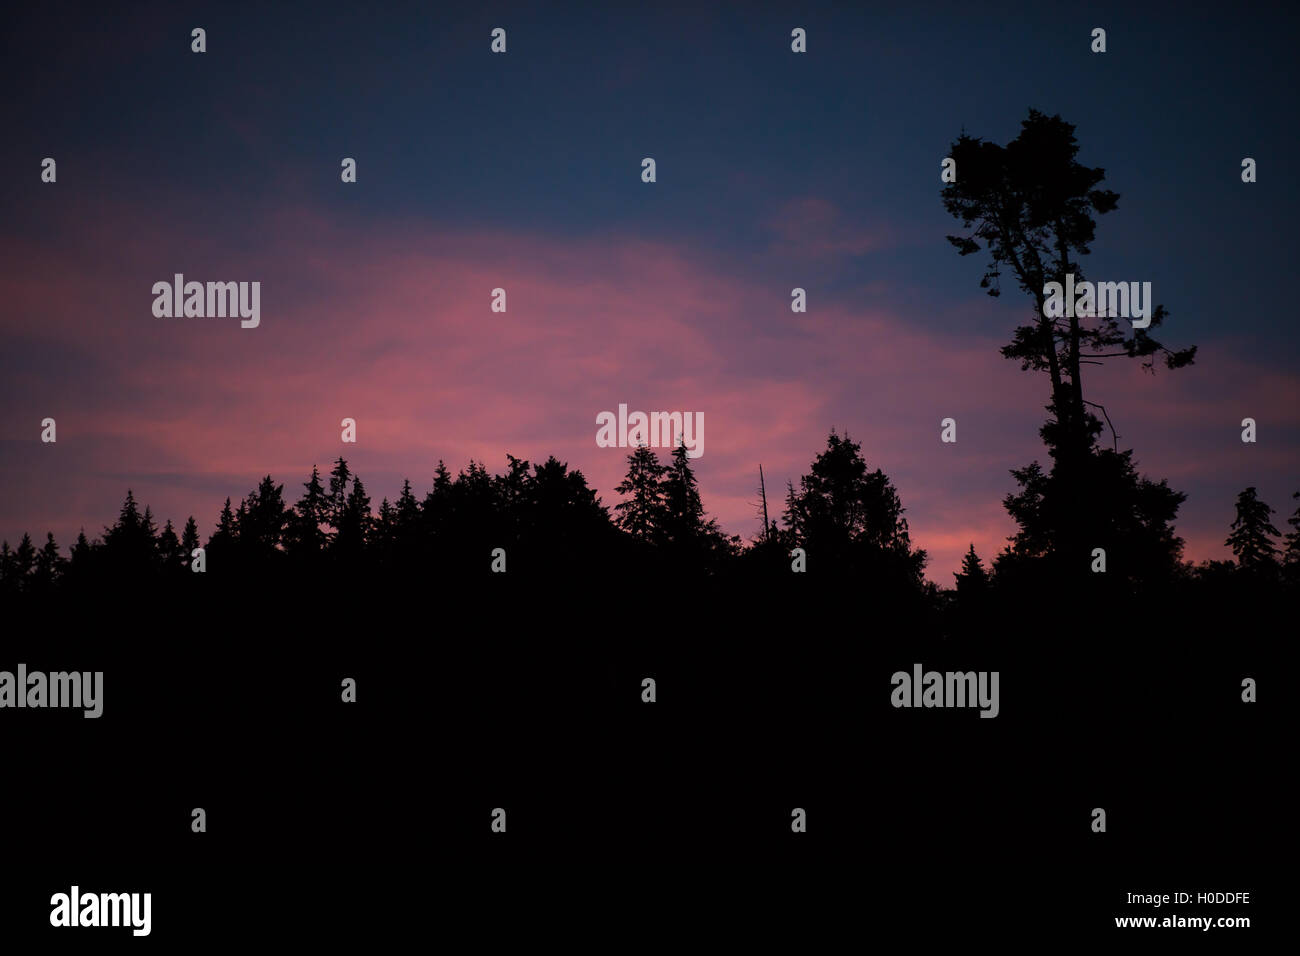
(189, 542)
(684, 511)
(241, 522)
(441, 477)
(24, 559)
(972, 578)
(1032, 206)
(306, 534)
(338, 496)
(435, 515)
(1291, 557)
(354, 522)
(8, 568)
(851, 517)
(149, 530)
(81, 549)
(695, 538)
(169, 548)
(78, 568)
(222, 542)
(408, 509)
(560, 519)
(132, 541)
(642, 513)
(128, 519)
(1252, 534)
(385, 531)
(262, 527)
(49, 563)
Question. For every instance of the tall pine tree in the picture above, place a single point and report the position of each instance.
(24, 559)
(1291, 557)
(189, 542)
(49, 563)
(693, 538)
(306, 535)
(1252, 534)
(340, 476)
(972, 578)
(354, 523)
(262, 528)
(221, 545)
(642, 514)
(8, 569)
(169, 548)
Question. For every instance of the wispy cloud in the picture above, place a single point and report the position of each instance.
(391, 326)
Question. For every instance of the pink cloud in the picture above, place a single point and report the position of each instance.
(393, 328)
(813, 227)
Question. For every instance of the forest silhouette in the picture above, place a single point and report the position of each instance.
(1031, 207)
(500, 626)
(549, 525)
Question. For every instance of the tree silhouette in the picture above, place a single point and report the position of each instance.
(408, 510)
(1032, 205)
(683, 519)
(384, 532)
(262, 524)
(643, 512)
(1252, 534)
(557, 519)
(354, 522)
(694, 541)
(435, 515)
(189, 541)
(1291, 557)
(130, 546)
(169, 548)
(221, 544)
(149, 530)
(474, 503)
(305, 534)
(972, 578)
(1128, 516)
(1292, 538)
(24, 560)
(850, 520)
(49, 564)
(80, 572)
(241, 519)
(850, 517)
(81, 549)
(8, 569)
(339, 478)
(973, 596)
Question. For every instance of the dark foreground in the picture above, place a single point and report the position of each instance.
(373, 820)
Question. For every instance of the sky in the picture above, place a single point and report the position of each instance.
(522, 171)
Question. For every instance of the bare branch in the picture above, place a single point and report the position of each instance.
(1114, 436)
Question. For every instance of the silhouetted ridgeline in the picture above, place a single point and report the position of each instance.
(540, 527)
(523, 689)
